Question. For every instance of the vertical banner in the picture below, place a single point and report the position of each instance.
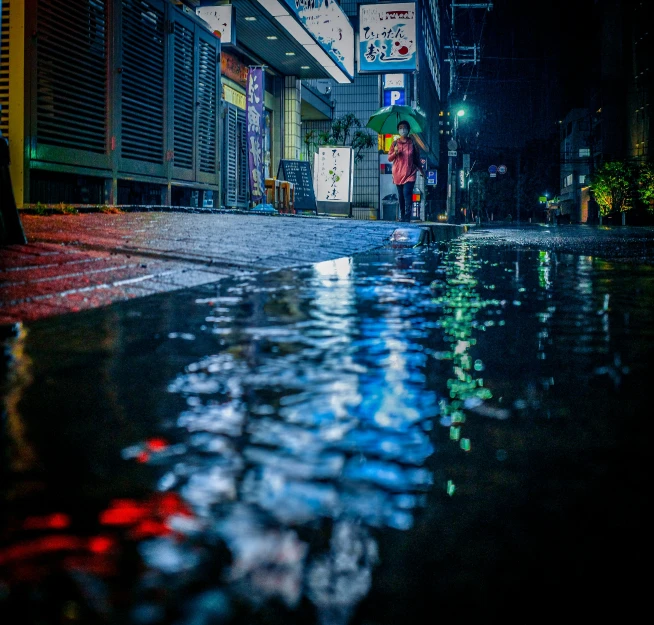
(387, 37)
(254, 114)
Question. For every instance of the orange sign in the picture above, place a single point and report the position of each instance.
(233, 69)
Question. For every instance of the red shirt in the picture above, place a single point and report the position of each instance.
(404, 162)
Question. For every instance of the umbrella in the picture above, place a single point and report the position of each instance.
(385, 120)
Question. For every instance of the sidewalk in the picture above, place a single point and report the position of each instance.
(76, 262)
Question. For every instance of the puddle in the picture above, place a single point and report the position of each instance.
(448, 430)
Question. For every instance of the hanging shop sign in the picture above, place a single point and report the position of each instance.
(330, 27)
(221, 20)
(334, 174)
(233, 68)
(387, 37)
(254, 116)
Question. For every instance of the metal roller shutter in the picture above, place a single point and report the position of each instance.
(243, 173)
(230, 156)
(4, 70)
(207, 107)
(183, 97)
(71, 101)
(143, 81)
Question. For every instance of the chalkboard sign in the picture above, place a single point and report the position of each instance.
(299, 173)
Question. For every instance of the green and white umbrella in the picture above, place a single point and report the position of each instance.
(385, 120)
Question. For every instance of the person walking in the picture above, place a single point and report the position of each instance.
(405, 156)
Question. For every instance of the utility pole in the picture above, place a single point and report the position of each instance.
(453, 57)
(457, 54)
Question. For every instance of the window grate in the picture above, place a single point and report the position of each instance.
(4, 69)
(143, 81)
(207, 108)
(183, 93)
(243, 164)
(71, 100)
(230, 156)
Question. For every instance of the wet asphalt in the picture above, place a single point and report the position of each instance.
(89, 260)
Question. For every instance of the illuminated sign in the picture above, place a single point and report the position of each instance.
(233, 69)
(387, 37)
(394, 96)
(334, 174)
(393, 81)
(330, 27)
(221, 21)
(462, 179)
(233, 97)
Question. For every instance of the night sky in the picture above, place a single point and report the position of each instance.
(535, 58)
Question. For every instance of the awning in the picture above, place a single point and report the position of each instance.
(273, 31)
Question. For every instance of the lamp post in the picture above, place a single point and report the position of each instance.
(452, 147)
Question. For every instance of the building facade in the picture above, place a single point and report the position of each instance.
(578, 152)
(109, 101)
(370, 91)
(143, 102)
(616, 125)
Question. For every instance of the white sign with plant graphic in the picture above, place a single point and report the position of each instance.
(334, 174)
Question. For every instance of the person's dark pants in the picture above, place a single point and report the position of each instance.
(405, 195)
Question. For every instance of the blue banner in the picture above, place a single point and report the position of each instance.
(254, 115)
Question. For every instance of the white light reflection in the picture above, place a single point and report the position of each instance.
(314, 414)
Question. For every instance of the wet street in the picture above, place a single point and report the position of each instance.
(401, 436)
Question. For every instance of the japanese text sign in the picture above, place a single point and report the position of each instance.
(334, 174)
(254, 117)
(387, 37)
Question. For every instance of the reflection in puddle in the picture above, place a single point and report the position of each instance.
(312, 417)
(308, 446)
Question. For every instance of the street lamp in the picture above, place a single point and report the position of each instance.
(459, 112)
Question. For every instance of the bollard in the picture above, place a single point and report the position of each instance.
(11, 229)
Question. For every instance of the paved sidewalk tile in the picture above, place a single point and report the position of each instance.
(76, 262)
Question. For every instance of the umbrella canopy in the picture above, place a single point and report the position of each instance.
(385, 120)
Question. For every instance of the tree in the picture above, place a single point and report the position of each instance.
(645, 185)
(339, 134)
(611, 187)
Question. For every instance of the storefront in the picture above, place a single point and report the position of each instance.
(235, 180)
(292, 44)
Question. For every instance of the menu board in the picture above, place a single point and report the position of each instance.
(299, 173)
